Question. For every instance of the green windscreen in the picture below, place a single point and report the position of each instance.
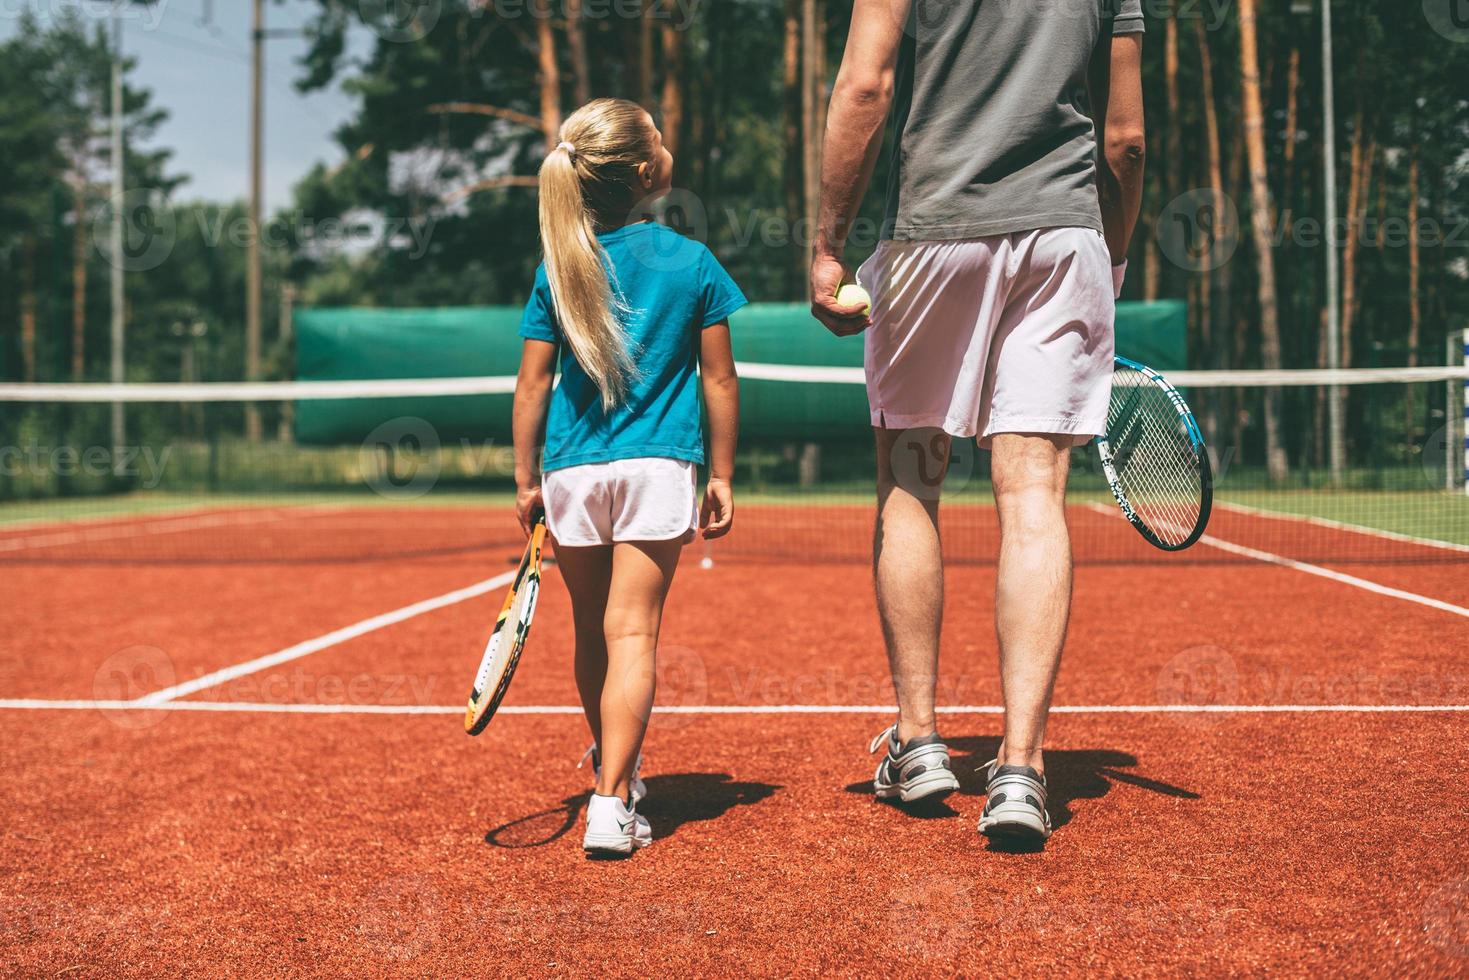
(343, 343)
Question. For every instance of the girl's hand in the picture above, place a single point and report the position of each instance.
(717, 513)
(528, 503)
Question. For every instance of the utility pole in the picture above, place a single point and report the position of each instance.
(253, 275)
(1337, 440)
(119, 433)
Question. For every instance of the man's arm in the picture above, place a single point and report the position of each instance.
(1121, 135)
(854, 123)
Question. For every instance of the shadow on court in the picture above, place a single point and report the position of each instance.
(673, 800)
(1071, 774)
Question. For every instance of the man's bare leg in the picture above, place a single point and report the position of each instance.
(908, 568)
(1033, 587)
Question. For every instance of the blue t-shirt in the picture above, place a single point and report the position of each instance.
(675, 288)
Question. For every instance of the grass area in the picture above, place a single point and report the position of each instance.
(158, 502)
(1438, 515)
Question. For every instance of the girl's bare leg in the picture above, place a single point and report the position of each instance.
(642, 572)
(588, 576)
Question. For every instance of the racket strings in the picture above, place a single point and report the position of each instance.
(1156, 461)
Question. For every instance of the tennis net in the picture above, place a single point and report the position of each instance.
(422, 469)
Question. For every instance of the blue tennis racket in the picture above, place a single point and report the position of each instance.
(1154, 458)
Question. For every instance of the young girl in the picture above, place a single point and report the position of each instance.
(631, 309)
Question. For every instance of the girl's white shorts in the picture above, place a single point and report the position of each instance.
(647, 499)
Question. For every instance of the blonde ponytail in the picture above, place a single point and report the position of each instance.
(588, 183)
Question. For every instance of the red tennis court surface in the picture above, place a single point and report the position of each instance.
(249, 767)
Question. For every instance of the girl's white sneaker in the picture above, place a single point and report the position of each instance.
(613, 827)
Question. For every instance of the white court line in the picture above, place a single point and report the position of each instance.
(1374, 532)
(163, 525)
(247, 707)
(331, 639)
(1317, 570)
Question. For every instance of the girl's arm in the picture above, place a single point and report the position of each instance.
(722, 401)
(528, 424)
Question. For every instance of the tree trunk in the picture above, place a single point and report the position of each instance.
(576, 36)
(1415, 315)
(1275, 458)
(1173, 134)
(1292, 124)
(28, 310)
(1415, 312)
(645, 53)
(1287, 177)
(794, 148)
(79, 250)
(673, 86)
(1211, 289)
(1173, 158)
(1364, 152)
(550, 76)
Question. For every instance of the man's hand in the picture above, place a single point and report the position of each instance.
(860, 99)
(528, 502)
(827, 274)
(717, 513)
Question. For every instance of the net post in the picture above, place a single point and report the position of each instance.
(1464, 426)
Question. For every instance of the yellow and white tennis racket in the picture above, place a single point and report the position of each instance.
(507, 641)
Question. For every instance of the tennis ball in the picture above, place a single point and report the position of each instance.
(851, 294)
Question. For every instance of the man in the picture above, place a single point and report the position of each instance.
(993, 294)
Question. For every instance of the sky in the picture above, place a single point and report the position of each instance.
(194, 56)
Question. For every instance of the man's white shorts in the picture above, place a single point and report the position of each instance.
(1010, 333)
(646, 499)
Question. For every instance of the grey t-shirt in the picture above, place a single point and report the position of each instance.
(993, 133)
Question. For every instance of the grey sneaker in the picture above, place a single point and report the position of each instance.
(916, 771)
(1015, 811)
